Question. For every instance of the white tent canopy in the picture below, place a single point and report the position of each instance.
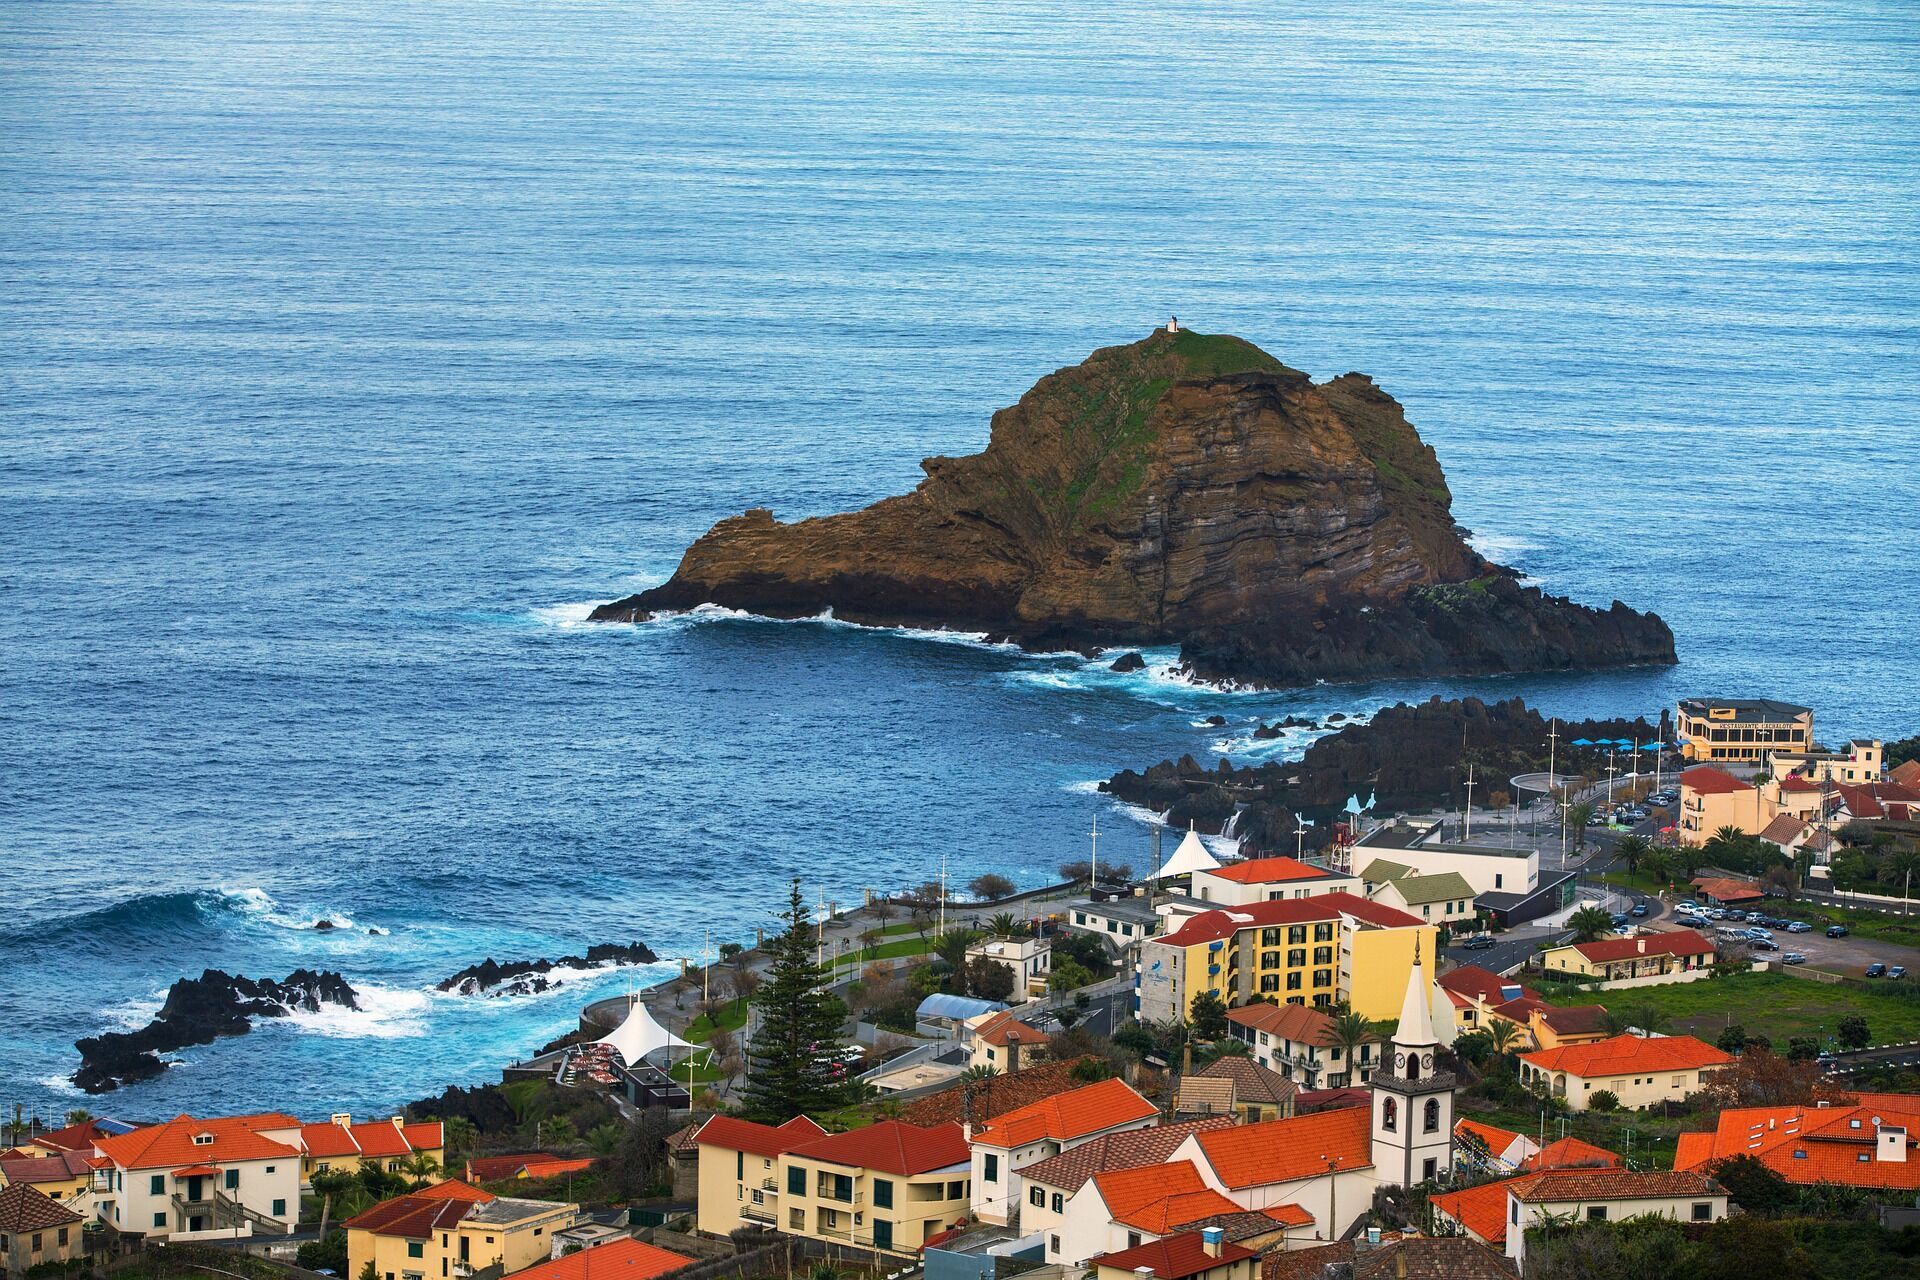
(1191, 856)
(639, 1035)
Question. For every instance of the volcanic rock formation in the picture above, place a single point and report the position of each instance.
(530, 977)
(1186, 488)
(199, 1011)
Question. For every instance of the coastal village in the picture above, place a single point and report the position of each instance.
(1656, 1023)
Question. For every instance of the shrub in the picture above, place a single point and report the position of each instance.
(1604, 1100)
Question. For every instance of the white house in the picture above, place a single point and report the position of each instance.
(1123, 1208)
(1607, 1195)
(1051, 1184)
(1241, 884)
(1010, 1142)
(204, 1179)
(1030, 959)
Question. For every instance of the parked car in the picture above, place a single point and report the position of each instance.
(1478, 942)
(1762, 944)
(1898, 971)
(1799, 926)
(1639, 909)
(1757, 932)
(1836, 931)
(1716, 913)
(1755, 917)
(1619, 919)
(1876, 970)
(1793, 957)
(1597, 820)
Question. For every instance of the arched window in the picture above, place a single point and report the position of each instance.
(1412, 1070)
(1389, 1115)
(1431, 1123)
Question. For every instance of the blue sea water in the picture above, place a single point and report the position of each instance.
(351, 350)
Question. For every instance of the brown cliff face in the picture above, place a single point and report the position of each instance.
(1183, 486)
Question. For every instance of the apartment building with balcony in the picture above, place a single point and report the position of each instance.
(1014, 1140)
(1297, 1042)
(1320, 951)
(206, 1179)
(739, 1170)
(343, 1146)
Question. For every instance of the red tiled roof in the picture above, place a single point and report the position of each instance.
(1726, 890)
(1794, 782)
(1494, 1138)
(1213, 926)
(1131, 1149)
(454, 1189)
(1300, 1023)
(415, 1216)
(1907, 774)
(1575, 1019)
(1806, 1145)
(1784, 829)
(627, 1259)
(55, 1166)
(761, 1139)
(890, 1146)
(1678, 942)
(1557, 1186)
(1255, 1155)
(1570, 1153)
(1707, 780)
(196, 1171)
(75, 1137)
(1312, 1100)
(1482, 1210)
(1174, 1257)
(1000, 1028)
(25, 1209)
(1271, 871)
(1077, 1113)
(170, 1145)
(1625, 1055)
(1290, 1215)
(257, 1120)
(1160, 1198)
(1484, 984)
(996, 1095)
(554, 1168)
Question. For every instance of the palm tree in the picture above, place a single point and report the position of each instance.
(420, 1167)
(1658, 863)
(1348, 1031)
(459, 1135)
(328, 1183)
(1632, 850)
(981, 1072)
(604, 1138)
(1644, 1016)
(557, 1131)
(1590, 922)
(79, 1115)
(1503, 1037)
(1003, 925)
(952, 945)
(1575, 820)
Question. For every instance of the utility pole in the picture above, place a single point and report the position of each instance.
(943, 893)
(1468, 819)
(1093, 865)
(1553, 741)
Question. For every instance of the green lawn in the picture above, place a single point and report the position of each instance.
(1647, 1139)
(731, 1018)
(1773, 1004)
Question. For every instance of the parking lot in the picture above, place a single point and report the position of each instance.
(1849, 955)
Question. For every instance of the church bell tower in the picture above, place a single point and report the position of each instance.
(1412, 1099)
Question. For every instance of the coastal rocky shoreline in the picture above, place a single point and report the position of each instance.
(1406, 757)
(199, 1011)
(1184, 489)
(531, 977)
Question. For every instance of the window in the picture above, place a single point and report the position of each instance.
(957, 1190)
(233, 1179)
(1427, 1169)
(1426, 910)
(36, 1242)
(1269, 982)
(883, 1192)
(796, 1181)
(1596, 1213)
(1513, 1210)
(1269, 959)
(321, 1167)
(1703, 1212)
(990, 1169)
(269, 1168)
(1053, 1244)
(1430, 1122)
(797, 1219)
(1297, 957)
(1323, 977)
(1323, 955)
(1323, 933)
(882, 1234)
(1038, 1196)
(157, 1185)
(1296, 933)
(1133, 1239)
(159, 1219)
(1293, 982)
(415, 1249)
(63, 1235)
(1056, 1202)
(739, 1166)
(1679, 1081)
(1271, 937)
(280, 1208)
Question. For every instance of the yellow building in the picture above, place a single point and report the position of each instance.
(343, 1146)
(1712, 798)
(452, 1231)
(1646, 956)
(1741, 729)
(1325, 950)
(1639, 1071)
(886, 1186)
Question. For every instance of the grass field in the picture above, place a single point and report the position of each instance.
(1773, 1004)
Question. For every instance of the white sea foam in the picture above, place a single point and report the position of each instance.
(565, 615)
(60, 1085)
(386, 1013)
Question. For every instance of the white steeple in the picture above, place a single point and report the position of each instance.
(1416, 1011)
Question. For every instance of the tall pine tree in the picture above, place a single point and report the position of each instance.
(799, 1027)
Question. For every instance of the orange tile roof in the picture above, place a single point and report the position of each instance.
(1300, 1023)
(890, 1146)
(1255, 1155)
(1474, 981)
(170, 1145)
(1175, 1257)
(1160, 1198)
(1000, 1028)
(1272, 871)
(416, 1216)
(1291, 1215)
(761, 1139)
(1558, 1186)
(554, 1168)
(1625, 1055)
(1707, 780)
(1494, 1138)
(454, 1189)
(267, 1120)
(1813, 1144)
(627, 1259)
(1078, 1113)
(1725, 890)
(1676, 942)
(1570, 1153)
(1482, 1210)
(75, 1137)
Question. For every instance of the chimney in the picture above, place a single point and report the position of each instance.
(1013, 1052)
(342, 1119)
(1890, 1145)
(1643, 945)
(1210, 1238)
(400, 1123)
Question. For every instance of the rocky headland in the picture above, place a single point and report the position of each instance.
(199, 1011)
(1183, 489)
(1407, 758)
(530, 977)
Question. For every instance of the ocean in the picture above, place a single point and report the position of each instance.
(353, 351)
